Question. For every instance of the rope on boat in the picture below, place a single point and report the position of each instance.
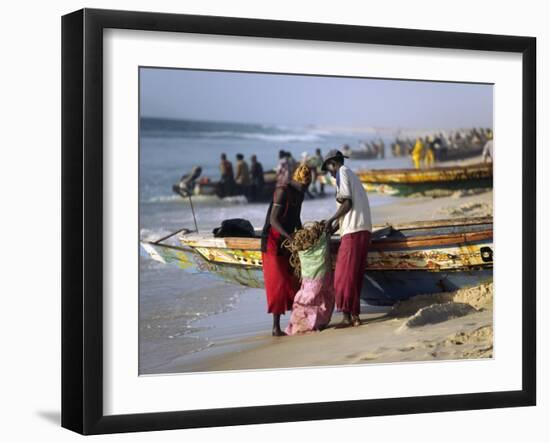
(302, 240)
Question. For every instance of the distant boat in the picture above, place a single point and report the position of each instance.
(360, 154)
(403, 261)
(458, 153)
(403, 182)
(205, 186)
(364, 152)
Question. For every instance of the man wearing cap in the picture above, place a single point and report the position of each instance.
(353, 219)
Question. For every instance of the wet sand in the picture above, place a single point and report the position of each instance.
(393, 336)
(380, 339)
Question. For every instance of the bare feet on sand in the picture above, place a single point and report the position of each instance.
(345, 323)
(277, 333)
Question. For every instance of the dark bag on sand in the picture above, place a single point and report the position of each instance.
(234, 227)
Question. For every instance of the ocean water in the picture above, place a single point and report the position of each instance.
(171, 301)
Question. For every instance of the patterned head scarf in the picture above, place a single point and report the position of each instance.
(302, 175)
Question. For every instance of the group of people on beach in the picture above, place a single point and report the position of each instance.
(287, 166)
(353, 220)
(403, 146)
(249, 177)
(429, 148)
(252, 177)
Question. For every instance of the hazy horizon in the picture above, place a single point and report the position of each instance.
(318, 101)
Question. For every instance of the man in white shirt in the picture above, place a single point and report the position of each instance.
(353, 220)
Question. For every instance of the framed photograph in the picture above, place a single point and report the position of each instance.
(269, 221)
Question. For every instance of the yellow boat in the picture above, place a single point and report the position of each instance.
(404, 182)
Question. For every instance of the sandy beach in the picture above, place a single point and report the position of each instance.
(444, 326)
(457, 205)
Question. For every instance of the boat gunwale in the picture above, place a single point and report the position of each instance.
(433, 176)
(464, 268)
(429, 241)
(444, 223)
(435, 169)
(253, 243)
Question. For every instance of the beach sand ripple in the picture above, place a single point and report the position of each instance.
(438, 313)
(479, 297)
(445, 326)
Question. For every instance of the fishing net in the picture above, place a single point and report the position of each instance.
(309, 250)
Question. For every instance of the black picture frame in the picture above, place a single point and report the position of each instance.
(82, 218)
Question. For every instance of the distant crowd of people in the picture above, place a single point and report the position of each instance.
(424, 151)
(253, 176)
(288, 164)
(453, 140)
(433, 147)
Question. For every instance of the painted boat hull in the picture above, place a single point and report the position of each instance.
(405, 182)
(385, 288)
(458, 153)
(191, 262)
(401, 264)
(381, 288)
(426, 189)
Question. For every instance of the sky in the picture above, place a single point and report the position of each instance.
(297, 100)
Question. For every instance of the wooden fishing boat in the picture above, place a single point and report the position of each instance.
(403, 261)
(361, 154)
(404, 182)
(458, 153)
(207, 187)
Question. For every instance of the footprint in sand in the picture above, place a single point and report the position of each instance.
(486, 352)
(407, 348)
(368, 357)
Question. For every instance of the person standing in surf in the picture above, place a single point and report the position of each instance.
(227, 179)
(353, 219)
(256, 178)
(282, 219)
(283, 169)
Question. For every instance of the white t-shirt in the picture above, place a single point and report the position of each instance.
(358, 218)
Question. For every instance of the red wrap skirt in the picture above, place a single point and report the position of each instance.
(281, 285)
(351, 263)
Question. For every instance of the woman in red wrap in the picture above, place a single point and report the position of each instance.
(282, 219)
